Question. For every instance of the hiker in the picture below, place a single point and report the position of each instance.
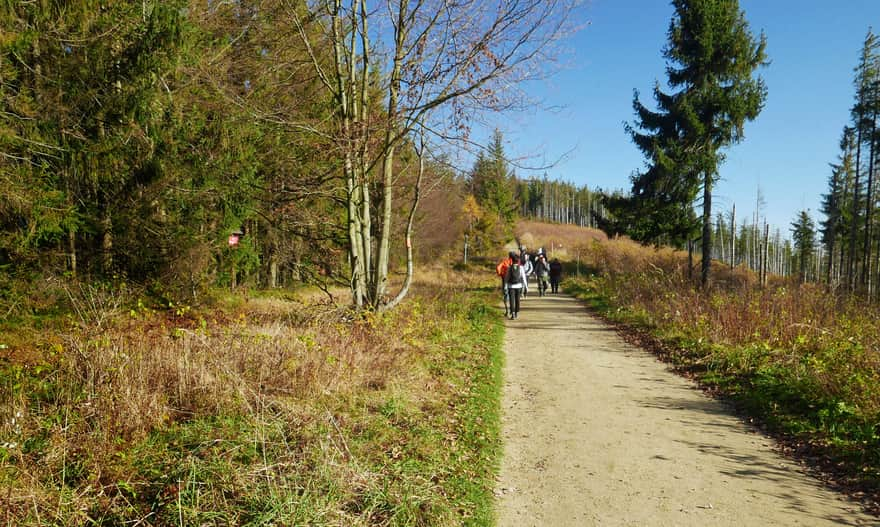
(542, 272)
(516, 279)
(501, 270)
(555, 275)
(526, 262)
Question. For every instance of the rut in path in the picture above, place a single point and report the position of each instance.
(598, 432)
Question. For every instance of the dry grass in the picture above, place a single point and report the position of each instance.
(559, 240)
(69, 419)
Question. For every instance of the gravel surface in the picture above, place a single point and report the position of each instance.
(597, 432)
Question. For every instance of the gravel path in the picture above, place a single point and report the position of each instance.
(598, 432)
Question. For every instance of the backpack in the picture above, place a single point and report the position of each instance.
(501, 268)
(543, 267)
(514, 275)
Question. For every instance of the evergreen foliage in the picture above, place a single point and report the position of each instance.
(711, 57)
(803, 231)
(135, 137)
(850, 237)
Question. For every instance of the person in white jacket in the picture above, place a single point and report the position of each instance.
(528, 267)
(516, 280)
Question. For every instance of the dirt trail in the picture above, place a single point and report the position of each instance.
(598, 432)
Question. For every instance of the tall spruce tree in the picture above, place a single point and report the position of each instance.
(803, 231)
(711, 59)
(491, 183)
(868, 81)
(833, 227)
(863, 114)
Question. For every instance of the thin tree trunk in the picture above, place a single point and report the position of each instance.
(360, 100)
(765, 256)
(71, 246)
(407, 282)
(707, 230)
(690, 259)
(851, 264)
(869, 206)
(357, 260)
(829, 268)
(733, 236)
(107, 243)
(382, 264)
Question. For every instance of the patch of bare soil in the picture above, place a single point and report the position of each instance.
(599, 432)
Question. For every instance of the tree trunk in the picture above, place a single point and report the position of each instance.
(71, 245)
(733, 236)
(869, 206)
(707, 231)
(851, 264)
(690, 259)
(356, 256)
(361, 118)
(107, 243)
(409, 229)
(765, 255)
(383, 262)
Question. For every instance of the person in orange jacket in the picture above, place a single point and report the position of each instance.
(501, 271)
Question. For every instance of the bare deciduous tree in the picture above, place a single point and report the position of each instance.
(407, 65)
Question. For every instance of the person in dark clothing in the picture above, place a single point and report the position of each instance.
(555, 275)
(542, 272)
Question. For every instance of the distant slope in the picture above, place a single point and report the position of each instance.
(556, 238)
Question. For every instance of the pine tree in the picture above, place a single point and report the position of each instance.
(492, 184)
(711, 57)
(863, 119)
(662, 195)
(833, 227)
(870, 82)
(803, 231)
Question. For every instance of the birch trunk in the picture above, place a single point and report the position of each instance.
(407, 282)
(382, 263)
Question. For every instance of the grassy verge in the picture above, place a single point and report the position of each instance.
(272, 414)
(816, 391)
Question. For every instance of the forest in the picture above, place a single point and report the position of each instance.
(137, 138)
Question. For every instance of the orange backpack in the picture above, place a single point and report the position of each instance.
(501, 268)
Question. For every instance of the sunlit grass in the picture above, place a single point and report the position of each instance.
(268, 411)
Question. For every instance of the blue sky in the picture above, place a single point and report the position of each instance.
(813, 46)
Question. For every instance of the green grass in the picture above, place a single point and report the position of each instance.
(479, 459)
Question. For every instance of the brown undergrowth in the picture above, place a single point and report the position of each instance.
(265, 411)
